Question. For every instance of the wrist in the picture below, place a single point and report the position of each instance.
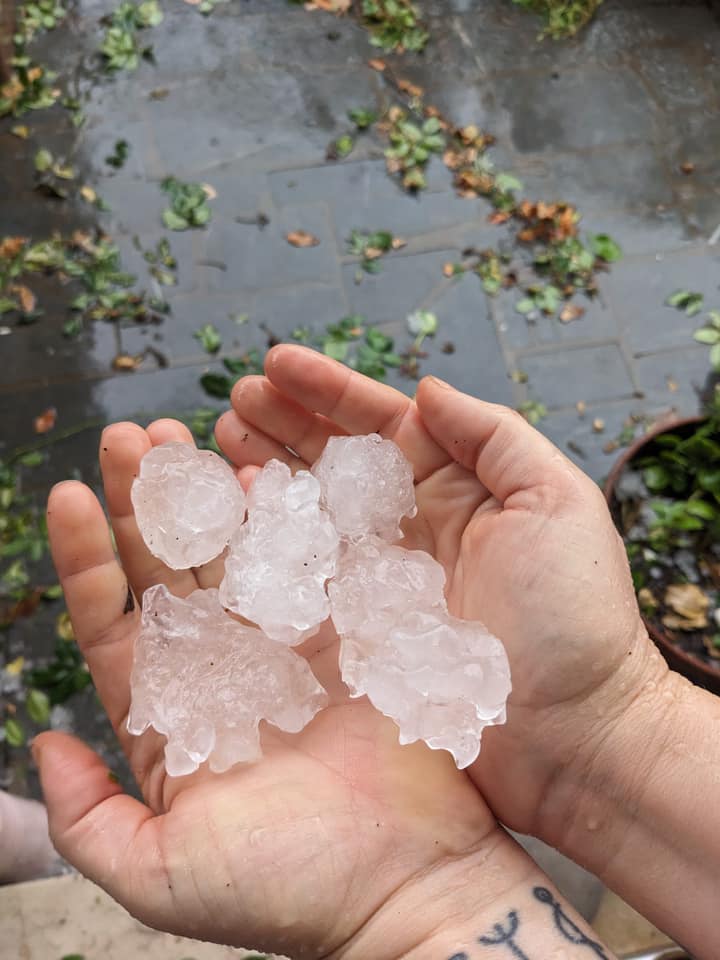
(490, 900)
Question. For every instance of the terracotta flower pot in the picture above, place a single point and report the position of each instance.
(678, 659)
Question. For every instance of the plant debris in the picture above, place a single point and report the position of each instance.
(188, 204)
(118, 158)
(689, 302)
(710, 335)
(411, 146)
(302, 239)
(563, 18)
(371, 247)
(122, 48)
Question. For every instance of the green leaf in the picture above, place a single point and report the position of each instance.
(687, 300)
(174, 222)
(43, 160)
(715, 356)
(377, 340)
(53, 593)
(423, 323)
(656, 478)
(507, 183)
(14, 733)
(335, 348)
(38, 707)
(606, 248)
(216, 385)
(525, 306)
(344, 146)
(33, 458)
(362, 117)
(707, 335)
(209, 337)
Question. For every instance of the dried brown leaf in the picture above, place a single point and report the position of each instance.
(398, 243)
(301, 238)
(45, 421)
(26, 297)
(690, 605)
(125, 361)
(570, 312)
(407, 86)
(10, 247)
(378, 65)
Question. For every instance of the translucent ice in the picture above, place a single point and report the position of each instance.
(188, 503)
(367, 486)
(280, 559)
(441, 679)
(205, 681)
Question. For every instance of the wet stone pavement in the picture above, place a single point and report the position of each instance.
(248, 100)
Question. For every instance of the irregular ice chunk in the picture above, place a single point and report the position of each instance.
(441, 679)
(188, 503)
(367, 486)
(280, 559)
(205, 681)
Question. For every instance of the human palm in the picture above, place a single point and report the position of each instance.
(524, 536)
(302, 851)
(294, 854)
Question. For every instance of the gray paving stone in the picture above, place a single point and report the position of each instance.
(362, 196)
(475, 364)
(255, 259)
(673, 80)
(401, 286)
(576, 110)
(576, 437)
(589, 179)
(701, 213)
(689, 142)
(585, 373)
(676, 379)
(637, 291)
(597, 323)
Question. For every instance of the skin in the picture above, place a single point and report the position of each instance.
(326, 847)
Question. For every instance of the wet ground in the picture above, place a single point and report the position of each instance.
(248, 99)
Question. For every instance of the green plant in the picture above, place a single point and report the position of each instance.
(219, 385)
(121, 46)
(411, 146)
(120, 153)
(688, 301)
(394, 25)
(188, 204)
(36, 16)
(563, 18)
(371, 247)
(31, 87)
(710, 334)
(209, 337)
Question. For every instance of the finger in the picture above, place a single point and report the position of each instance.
(509, 457)
(243, 444)
(354, 402)
(168, 431)
(97, 828)
(256, 401)
(122, 447)
(101, 606)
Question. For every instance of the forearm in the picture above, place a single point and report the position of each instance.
(643, 811)
(493, 904)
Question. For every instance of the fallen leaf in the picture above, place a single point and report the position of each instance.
(398, 243)
(570, 312)
(14, 668)
(546, 211)
(378, 65)
(329, 6)
(159, 93)
(372, 253)
(611, 446)
(124, 361)
(690, 605)
(210, 191)
(581, 407)
(20, 131)
(46, 421)
(25, 296)
(88, 194)
(598, 425)
(449, 269)
(301, 238)
(10, 247)
(498, 217)
(672, 385)
(64, 627)
(407, 86)
(647, 600)
(687, 167)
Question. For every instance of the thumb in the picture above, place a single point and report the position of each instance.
(507, 454)
(93, 824)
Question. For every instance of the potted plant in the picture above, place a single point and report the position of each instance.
(664, 495)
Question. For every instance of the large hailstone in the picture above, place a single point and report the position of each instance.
(280, 560)
(441, 679)
(205, 681)
(187, 502)
(367, 486)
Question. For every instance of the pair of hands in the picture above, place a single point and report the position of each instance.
(316, 850)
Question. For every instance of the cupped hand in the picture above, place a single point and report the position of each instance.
(339, 843)
(527, 544)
